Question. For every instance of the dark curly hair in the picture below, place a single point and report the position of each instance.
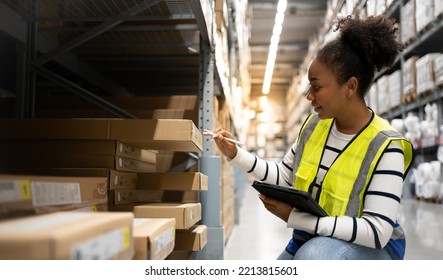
(362, 47)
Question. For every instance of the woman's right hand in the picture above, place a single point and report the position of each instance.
(227, 148)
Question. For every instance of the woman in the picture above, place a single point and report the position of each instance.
(349, 159)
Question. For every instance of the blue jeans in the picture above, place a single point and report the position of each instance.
(328, 248)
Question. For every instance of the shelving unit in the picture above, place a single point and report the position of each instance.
(422, 41)
(97, 49)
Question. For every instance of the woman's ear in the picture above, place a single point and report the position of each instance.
(351, 86)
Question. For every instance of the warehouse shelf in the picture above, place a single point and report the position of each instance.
(98, 48)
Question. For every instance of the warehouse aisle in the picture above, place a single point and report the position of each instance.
(261, 236)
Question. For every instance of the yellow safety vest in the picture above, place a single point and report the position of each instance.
(344, 184)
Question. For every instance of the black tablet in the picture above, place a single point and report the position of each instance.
(301, 200)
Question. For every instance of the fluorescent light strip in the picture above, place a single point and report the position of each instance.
(275, 39)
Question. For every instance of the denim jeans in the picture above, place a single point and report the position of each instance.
(328, 248)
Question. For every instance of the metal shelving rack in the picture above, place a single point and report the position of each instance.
(121, 47)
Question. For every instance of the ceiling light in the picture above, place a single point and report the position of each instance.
(275, 39)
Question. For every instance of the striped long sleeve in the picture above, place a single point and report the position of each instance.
(381, 202)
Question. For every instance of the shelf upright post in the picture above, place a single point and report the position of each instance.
(25, 99)
(209, 164)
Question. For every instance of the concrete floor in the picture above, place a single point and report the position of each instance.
(259, 235)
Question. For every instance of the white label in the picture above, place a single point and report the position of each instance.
(9, 191)
(41, 224)
(163, 240)
(102, 247)
(139, 221)
(53, 193)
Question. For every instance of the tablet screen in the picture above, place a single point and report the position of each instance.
(301, 200)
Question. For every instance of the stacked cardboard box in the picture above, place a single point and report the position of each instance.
(79, 153)
(43, 194)
(154, 239)
(68, 235)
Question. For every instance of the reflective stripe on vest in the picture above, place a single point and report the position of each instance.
(349, 175)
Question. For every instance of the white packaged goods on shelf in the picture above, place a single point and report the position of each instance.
(380, 7)
(408, 29)
(395, 89)
(350, 5)
(438, 69)
(372, 97)
(424, 14)
(409, 76)
(382, 94)
(425, 72)
(438, 7)
(371, 7)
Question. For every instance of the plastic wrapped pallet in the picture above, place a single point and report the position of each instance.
(438, 69)
(424, 14)
(373, 99)
(438, 7)
(409, 77)
(395, 89)
(425, 72)
(408, 29)
(382, 94)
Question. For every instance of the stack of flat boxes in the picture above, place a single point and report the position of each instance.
(109, 155)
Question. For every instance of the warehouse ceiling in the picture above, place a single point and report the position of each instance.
(303, 19)
(149, 47)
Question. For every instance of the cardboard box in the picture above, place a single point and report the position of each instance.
(185, 215)
(40, 159)
(119, 197)
(68, 235)
(78, 147)
(185, 181)
(56, 103)
(102, 113)
(43, 193)
(116, 179)
(154, 239)
(164, 134)
(192, 239)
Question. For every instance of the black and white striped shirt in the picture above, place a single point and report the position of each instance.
(381, 202)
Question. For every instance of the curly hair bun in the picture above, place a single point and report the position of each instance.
(374, 39)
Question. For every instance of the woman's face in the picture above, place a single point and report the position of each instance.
(326, 95)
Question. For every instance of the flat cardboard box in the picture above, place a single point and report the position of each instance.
(116, 179)
(185, 102)
(41, 193)
(185, 214)
(102, 113)
(77, 147)
(45, 160)
(68, 235)
(192, 239)
(162, 134)
(184, 181)
(119, 197)
(154, 239)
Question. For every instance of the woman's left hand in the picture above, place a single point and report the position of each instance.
(276, 207)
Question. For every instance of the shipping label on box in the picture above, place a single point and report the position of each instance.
(46, 191)
(154, 239)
